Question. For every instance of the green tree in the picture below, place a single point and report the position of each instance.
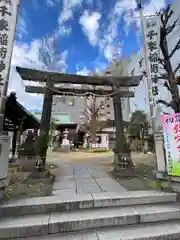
(139, 125)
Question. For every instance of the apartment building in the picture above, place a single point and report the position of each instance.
(103, 108)
(73, 106)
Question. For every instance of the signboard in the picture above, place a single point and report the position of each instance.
(171, 131)
(8, 16)
(153, 38)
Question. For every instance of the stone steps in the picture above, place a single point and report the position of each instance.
(103, 214)
(150, 231)
(86, 219)
(86, 201)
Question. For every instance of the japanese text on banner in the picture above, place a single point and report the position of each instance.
(153, 37)
(8, 13)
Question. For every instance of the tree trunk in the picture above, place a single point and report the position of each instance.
(123, 162)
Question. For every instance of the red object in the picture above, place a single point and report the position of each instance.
(177, 128)
(177, 138)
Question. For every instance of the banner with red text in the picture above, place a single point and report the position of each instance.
(171, 131)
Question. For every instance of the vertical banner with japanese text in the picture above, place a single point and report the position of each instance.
(153, 38)
(8, 16)
(171, 132)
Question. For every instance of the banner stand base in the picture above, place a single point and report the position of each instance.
(166, 185)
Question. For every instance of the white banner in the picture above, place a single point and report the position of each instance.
(8, 17)
(153, 41)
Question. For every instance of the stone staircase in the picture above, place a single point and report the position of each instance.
(136, 215)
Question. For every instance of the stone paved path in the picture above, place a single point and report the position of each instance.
(83, 177)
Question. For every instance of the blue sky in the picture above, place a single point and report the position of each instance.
(89, 33)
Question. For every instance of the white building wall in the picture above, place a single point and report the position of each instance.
(104, 106)
(75, 110)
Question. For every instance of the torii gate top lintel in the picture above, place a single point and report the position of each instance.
(108, 80)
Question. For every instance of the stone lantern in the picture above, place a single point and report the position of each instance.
(65, 146)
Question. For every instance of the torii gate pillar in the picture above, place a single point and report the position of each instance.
(123, 165)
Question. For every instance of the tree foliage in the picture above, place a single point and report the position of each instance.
(139, 124)
(169, 72)
(94, 124)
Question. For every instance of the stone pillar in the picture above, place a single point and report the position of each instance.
(14, 144)
(123, 164)
(104, 141)
(55, 140)
(160, 154)
(146, 147)
(14, 141)
(4, 160)
(65, 140)
(46, 114)
(85, 144)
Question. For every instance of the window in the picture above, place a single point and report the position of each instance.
(107, 105)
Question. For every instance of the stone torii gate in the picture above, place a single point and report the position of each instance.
(123, 161)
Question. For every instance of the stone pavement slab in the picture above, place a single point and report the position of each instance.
(109, 185)
(88, 188)
(85, 180)
(98, 174)
(64, 191)
(81, 174)
(78, 178)
(68, 184)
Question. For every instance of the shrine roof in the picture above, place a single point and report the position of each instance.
(58, 118)
(15, 113)
(62, 118)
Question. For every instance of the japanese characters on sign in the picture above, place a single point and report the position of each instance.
(8, 13)
(171, 131)
(153, 32)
